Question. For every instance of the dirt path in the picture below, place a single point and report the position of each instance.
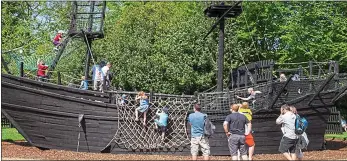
(23, 151)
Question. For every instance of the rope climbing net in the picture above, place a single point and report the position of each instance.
(14, 58)
(133, 135)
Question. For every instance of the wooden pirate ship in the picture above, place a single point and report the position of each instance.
(52, 116)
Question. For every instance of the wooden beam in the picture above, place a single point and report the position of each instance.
(322, 87)
(14, 123)
(340, 94)
(222, 18)
(281, 91)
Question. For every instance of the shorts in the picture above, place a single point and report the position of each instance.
(56, 43)
(203, 142)
(237, 142)
(162, 128)
(249, 140)
(287, 145)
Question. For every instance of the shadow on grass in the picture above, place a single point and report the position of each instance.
(335, 144)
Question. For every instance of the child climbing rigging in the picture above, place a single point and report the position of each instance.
(84, 83)
(144, 104)
(41, 70)
(58, 39)
(161, 123)
(251, 96)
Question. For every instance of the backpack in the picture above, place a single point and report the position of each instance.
(209, 128)
(300, 125)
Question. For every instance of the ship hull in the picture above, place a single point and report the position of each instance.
(49, 119)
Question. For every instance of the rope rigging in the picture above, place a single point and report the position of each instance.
(30, 61)
(132, 135)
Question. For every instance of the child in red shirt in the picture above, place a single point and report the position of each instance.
(41, 70)
(57, 39)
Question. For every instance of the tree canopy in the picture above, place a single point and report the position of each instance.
(160, 45)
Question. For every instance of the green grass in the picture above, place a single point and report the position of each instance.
(10, 134)
(336, 136)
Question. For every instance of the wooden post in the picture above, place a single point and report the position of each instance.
(271, 70)
(311, 70)
(336, 70)
(255, 78)
(21, 69)
(151, 94)
(246, 77)
(238, 78)
(300, 70)
(113, 97)
(310, 76)
(232, 78)
(220, 61)
(104, 83)
(59, 78)
(87, 62)
(271, 78)
(330, 66)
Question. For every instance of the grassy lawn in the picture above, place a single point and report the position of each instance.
(10, 134)
(336, 136)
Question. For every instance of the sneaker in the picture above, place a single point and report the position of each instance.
(136, 119)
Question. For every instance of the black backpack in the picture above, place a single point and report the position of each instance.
(209, 128)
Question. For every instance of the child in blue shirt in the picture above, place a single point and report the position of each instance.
(161, 123)
(84, 83)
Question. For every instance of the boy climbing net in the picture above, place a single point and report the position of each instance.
(58, 39)
(161, 123)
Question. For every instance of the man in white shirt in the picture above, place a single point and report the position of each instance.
(289, 139)
(105, 73)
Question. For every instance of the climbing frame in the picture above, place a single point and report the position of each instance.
(88, 16)
(132, 135)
